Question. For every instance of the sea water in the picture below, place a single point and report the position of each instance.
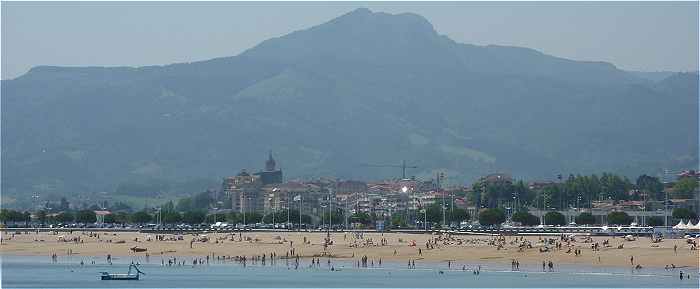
(40, 272)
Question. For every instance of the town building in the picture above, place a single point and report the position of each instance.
(271, 175)
(244, 192)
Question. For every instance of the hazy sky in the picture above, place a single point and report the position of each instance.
(632, 35)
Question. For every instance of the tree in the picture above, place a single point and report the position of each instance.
(619, 218)
(201, 201)
(121, 207)
(585, 219)
(525, 218)
(554, 218)
(650, 185)
(141, 217)
(65, 217)
(235, 218)
(194, 217)
(457, 215)
(108, 219)
(398, 220)
(685, 187)
(184, 205)
(27, 217)
(552, 196)
(253, 217)
(655, 221)
(42, 217)
(434, 213)
(120, 217)
(362, 218)
(335, 218)
(4, 216)
(683, 214)
(171, 217)
(276, 217)
(168, 207)
(86, 216)
(64, 205)
(490, 217)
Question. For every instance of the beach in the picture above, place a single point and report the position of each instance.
(348, 246)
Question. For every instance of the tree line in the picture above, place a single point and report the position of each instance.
(577, 191)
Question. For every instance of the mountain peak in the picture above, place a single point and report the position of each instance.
(360, 34)
(412, 22)
(360, 11)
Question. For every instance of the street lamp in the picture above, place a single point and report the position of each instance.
(439, 178)
(404, 190)
(246, 199)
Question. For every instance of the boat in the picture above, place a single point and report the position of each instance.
(136, 249)
(127, 276)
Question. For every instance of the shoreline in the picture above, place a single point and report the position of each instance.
(390, 247)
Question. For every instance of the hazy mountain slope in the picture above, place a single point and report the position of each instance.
(363, 88)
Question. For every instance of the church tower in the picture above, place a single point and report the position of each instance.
(270, 163)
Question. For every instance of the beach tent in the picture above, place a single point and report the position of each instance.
(680, 225)
(696, 227)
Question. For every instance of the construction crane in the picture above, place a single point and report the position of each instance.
(403, 167)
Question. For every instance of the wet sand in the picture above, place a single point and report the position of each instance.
(458, 248)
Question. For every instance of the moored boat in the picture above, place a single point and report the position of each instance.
(121, 276)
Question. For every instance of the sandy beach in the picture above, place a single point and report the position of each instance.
(396, 247)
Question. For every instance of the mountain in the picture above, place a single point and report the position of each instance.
(652, 75)
(366, 87)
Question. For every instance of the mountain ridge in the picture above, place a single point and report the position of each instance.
(326, 97)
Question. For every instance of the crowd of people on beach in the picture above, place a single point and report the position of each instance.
(547, 245)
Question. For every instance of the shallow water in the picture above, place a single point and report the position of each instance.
(39, 272)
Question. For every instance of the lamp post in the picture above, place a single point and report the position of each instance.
(404, 189)
(323, 218)
(274, 209)
(345, 213)
(439, 178)
(425, 220)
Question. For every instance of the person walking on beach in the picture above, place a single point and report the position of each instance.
(681, 275)
(543, 265)
(632, 260)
